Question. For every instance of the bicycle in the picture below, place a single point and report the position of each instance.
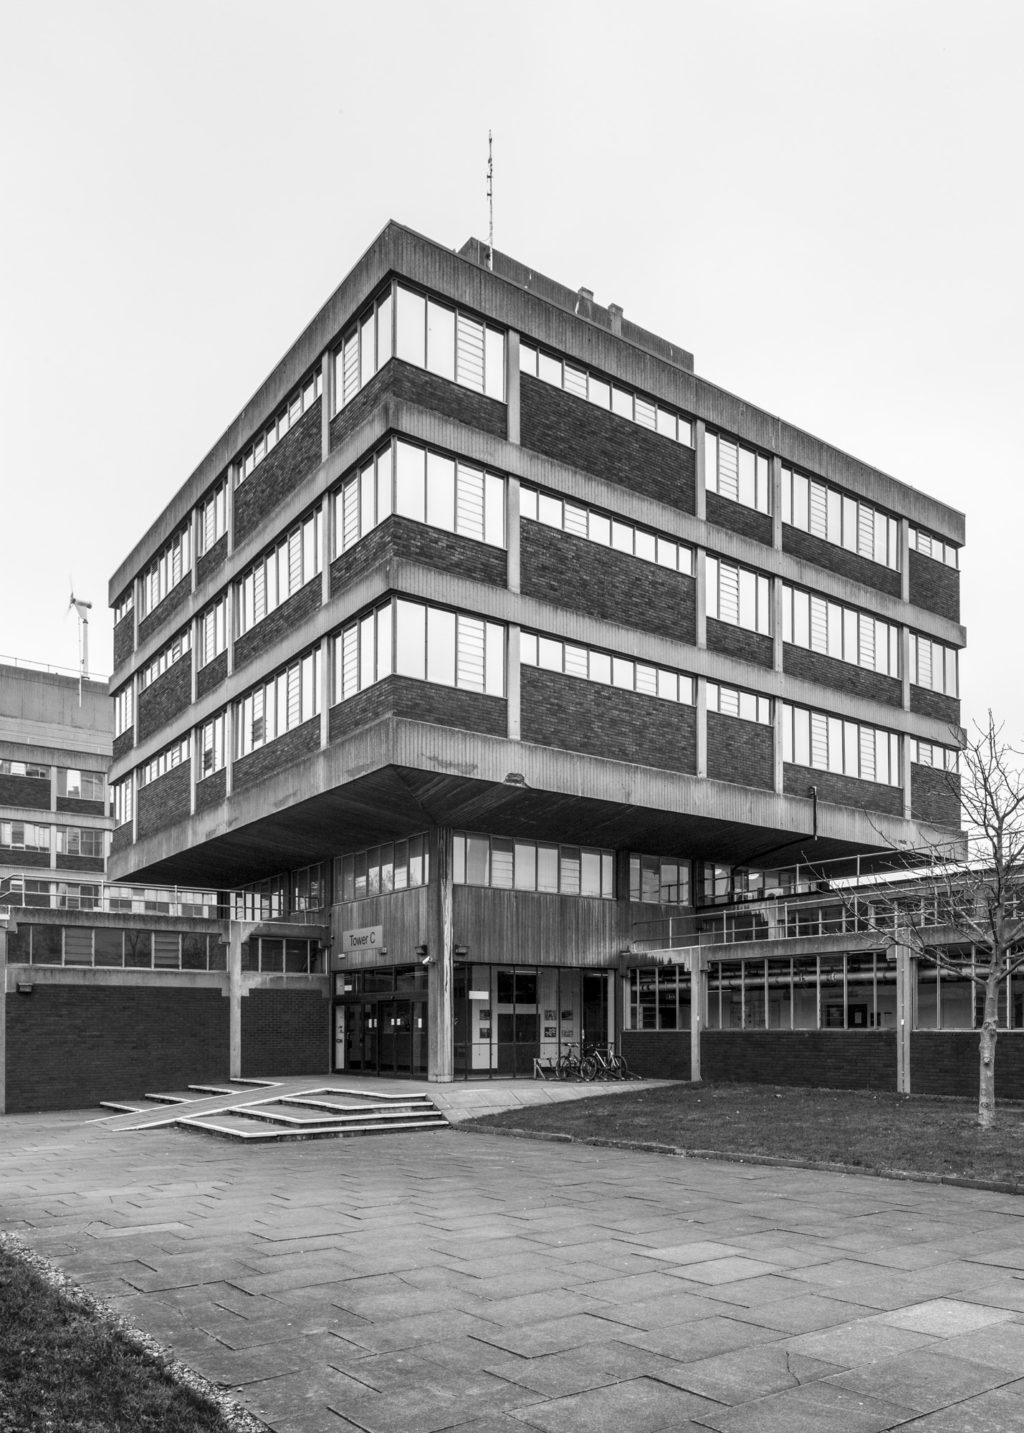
(603, 1062)
(569, 1066)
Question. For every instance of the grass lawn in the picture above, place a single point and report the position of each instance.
(850, 1127)
(64, 1368)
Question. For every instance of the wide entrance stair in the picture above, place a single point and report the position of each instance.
(257, 1112)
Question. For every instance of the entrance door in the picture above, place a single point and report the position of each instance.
(595, 1008)
(339, 1037)
(360, 1024)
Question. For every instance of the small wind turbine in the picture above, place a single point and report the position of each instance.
(83, 609)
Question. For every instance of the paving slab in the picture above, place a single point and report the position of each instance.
(490, 1285)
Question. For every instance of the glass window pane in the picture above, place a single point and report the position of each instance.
(440, 646)
(441, 491)
(412, 327)
(440, 340)
(410, 481)
(411, 639)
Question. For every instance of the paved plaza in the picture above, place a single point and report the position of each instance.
(410, 1284)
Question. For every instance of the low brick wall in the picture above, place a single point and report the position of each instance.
(657, 1054)
(828, 1059)
(285, 1032)
(945, 1062)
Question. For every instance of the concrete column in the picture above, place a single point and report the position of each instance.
(326, 405)
(512, 385)
(906, 976)
(3, 1017)
(700, 480)
(777, 653)
(328, 523)
(229, 509)
(905, 668)
(698, 981)
(905, 559)
(326, 688)
(440, 948)
(905, 773)
(512, 528)
(776, 481)
(777, 762)
(702, 726)
(513, 684)
(229, 746)
(700, 597)
(235, 999)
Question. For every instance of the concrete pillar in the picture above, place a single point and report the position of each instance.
(3, 1017)
(235, 934)
(701, 719)
(512, 521)
(698, 979)
(776, 508)
(700, 594)
(905, 559)
(440, 949)
(512, 385)
(513, 685)
(700, 476)
(906, 980)
(326, 405)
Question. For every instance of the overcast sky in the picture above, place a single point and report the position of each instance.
(822, 199)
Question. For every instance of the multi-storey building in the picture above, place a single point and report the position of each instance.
(495, 639)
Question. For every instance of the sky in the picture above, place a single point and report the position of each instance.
(821, 199)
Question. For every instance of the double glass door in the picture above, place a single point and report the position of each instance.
(382, 1036)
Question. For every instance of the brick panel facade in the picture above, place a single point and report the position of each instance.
(420, 701)
(577, 715)
(825, 1059)
(212, 791)
(123, 743)
(295, 457)
(569, 571)
(165, 698)
(82, 863)
(285, 1032)
(837, 559)
(924, 702)
(165, 800)
(573, 431)
(402, 537)
(163, 611)
(427, 390)
(737, 517)
(32, 792)
(841, 676)
(657, 1054)
(277, 754)
(124, 638)
(208, 563)
(945, 1062)
(842, 790)
(75, 807)
(121, 837)
(934, 586)
(740, 751)
(935, 795)
(292, 611)
(36, 859)
(111, 1043)
(212, 675)
(738, 642)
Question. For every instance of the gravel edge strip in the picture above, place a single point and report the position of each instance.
(957, 1181)
(239, 1419)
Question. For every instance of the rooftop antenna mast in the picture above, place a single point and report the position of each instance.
(83, 609)
(490, 201)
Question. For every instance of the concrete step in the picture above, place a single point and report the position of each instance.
(256, 1126)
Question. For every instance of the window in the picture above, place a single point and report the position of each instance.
(165, 658)
(364, 348)
(124, 800)
(605, 530)
(848, 748)
(282, 956)
(212, 515)
(850, 992)
(659, 880)
(510, 864)
(81, 841)
(834, 516)
(738, 473)
(933, 665)
(23, 768)
(309, 888)
(24, 836)
(300, 401)
(211, 747)
(123, 710)
(167, 570)
(554, 655)
(738, 596)
(280, 573)
(842, 632)
(449, 342)
(930, 546)
(586, 384)
(730, 701)
(174, 755)
(290, 698)
(432, 644)
(397, 866)
(659, 999)
(212, 631)
(124, 604)
(80, 785)
(929, 753)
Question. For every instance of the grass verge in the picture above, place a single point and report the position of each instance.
(67, 1366)
(878, 1132)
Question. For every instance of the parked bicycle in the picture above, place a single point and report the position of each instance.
(603, 1062)
(569, 1065)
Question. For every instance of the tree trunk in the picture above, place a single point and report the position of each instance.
(987, 1052)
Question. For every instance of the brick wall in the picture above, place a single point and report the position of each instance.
(208, 563)
(270, 482)
(738, 642)
(841, 676)
(577, 715)
(569, 571)
(723, 512)
(124, 638)
(935, 795)
(573, 431)
(30, 791)
(212, 791)
(277, 754)
(163, 699)
(38, 859)
(842, 790)
(164, 610)
(165, 800)
(420, 701)
(123, 743)
(935, 704)
(740, 751)
(74, 807)
(826, 1059)
(402, 537)
(291, 612)
(945, 1062)
(211, 676)
(121, 837)
(427, 390)
(837, 559)
(70, 1046)
(285, 1032)
(657, 1054)
(82, 863)
(934, 586)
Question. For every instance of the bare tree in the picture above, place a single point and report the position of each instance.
(971, 894)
